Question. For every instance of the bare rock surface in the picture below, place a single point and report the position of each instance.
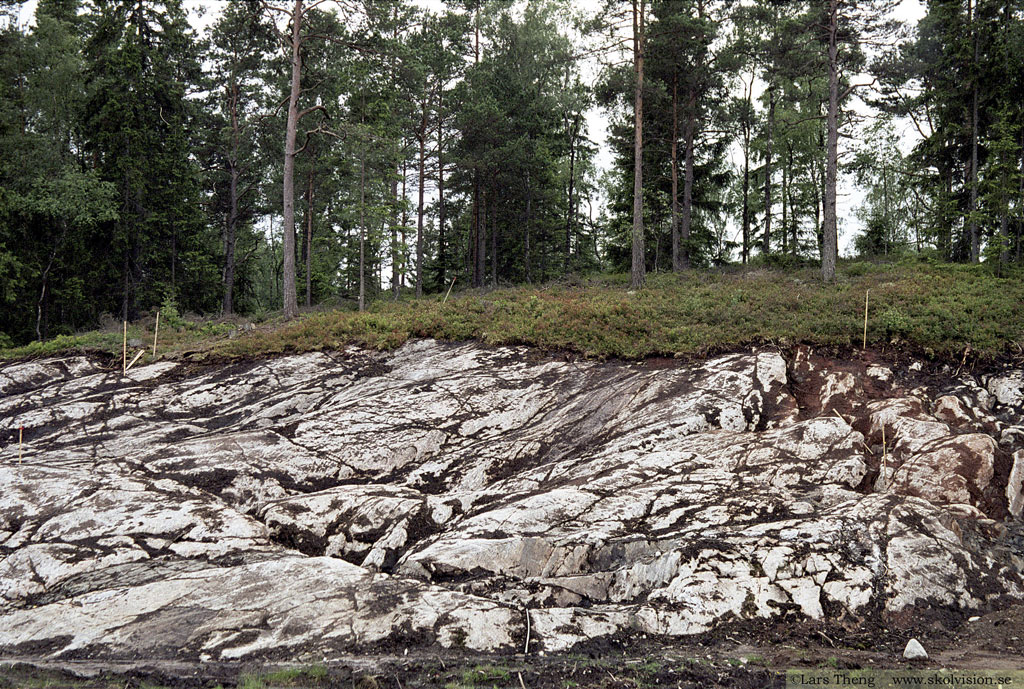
(461, 496)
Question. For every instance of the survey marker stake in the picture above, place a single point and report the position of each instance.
(449, 291)
(865, 346)
(137, 357)
(156, 331)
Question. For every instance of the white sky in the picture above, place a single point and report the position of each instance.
(849, 197)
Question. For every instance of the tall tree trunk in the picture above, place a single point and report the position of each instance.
(442, 259)
(362, 229)
(945, 230)
(472, 266)
(817, 187)
(131, 280)
(529, 227)
(1020, 203)
(41, 329)
(419, 208)
(396, 287)
(396, 219)
(230, 240)
(1004, 236)
(174, 258)
(638, 272)
(794, 247)
(676, 262)
(766, 245)
(403, 228)
(887, 211)
(746, 170)
(291, 306)
(231, 231)
(690, 133)
(307, 251)
(478, 222)
(830, 238)
(972, 211)
(494, 236)
(572, 179)
(785, 203)
(481, 244)
(691, 126)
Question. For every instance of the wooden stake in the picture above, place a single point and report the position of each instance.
(156, 331)
(21, 436)
(449, 291)
(137, 357)
(124, 350)
(865, 346)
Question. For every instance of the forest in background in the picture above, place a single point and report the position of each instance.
(338, 152)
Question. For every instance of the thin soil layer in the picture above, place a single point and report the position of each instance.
(745, 656)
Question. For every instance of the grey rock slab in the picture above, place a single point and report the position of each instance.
(319, 504)
(289, 605)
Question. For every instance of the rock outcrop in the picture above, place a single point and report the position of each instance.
(319, 504)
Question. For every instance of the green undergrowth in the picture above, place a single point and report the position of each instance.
(935, 310)
(311, 676)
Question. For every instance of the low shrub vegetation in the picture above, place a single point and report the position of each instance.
(934, 310)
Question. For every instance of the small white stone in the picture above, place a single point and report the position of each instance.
(974, 619)
(914, 650)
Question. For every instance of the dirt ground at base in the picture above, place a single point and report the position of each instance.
(738, 658)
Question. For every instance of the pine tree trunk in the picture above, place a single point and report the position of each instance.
(638, 272)
(785, 201)
(494, 236)
(396, 218)
(529, 223)
(472, 266)
(794, 245)
(231, 231)
(676, 263)
(746, 173)
(572, 179)
(691, 125)
(291, 306)
(766, 246)
(830, 238)
(442, 276)
(402, 229)
(419, 208)
(1020, 197)
(362, 230)
(817, 187)
(307, 251)
(230, 239)
(481, 244)
(396, 288)
(972, 211)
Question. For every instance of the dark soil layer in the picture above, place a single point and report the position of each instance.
(742, 657)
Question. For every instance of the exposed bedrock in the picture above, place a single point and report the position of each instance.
(328, 503)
